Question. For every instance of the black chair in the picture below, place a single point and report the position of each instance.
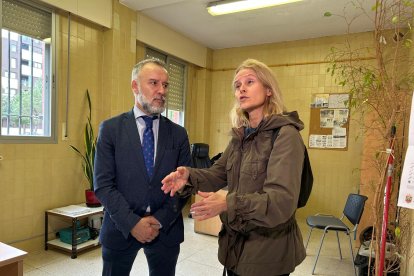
(353, 210)
(199, 158)
(199, 155)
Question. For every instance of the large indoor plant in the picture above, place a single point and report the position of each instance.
(380, 80)
(88, 157)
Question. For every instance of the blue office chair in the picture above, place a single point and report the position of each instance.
(353, 210)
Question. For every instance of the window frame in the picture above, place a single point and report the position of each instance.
(52, 139)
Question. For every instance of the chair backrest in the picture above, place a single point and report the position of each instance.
(215, 158)
(354, 207)
(199, 155)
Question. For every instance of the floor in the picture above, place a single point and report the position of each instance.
(198, 257)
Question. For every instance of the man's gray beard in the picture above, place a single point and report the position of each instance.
(146, 105)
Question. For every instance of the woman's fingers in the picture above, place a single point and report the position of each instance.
(175, 180)
(204, 194)
(169, 182)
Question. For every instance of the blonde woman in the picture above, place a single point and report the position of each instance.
(260, 235)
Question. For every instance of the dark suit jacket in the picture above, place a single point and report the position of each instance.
(123, 186)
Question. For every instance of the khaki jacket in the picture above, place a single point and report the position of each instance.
(260, 235)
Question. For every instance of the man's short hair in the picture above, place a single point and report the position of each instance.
(138, 67)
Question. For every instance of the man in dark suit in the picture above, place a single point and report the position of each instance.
(132, 157)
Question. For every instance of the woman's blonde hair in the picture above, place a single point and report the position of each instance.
(274, 103)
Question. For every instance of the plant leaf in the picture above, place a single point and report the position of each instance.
(89, 139)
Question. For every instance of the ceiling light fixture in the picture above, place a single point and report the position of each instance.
(232, 6)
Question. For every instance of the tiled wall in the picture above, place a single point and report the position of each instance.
(300, 67)
(120, 49)
(33, 177)
(198, 104)
(38, 177)
(410, 262)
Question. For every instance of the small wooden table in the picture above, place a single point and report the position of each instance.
(11, 260)
(74, 217)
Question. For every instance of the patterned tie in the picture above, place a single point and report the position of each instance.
(148, 145)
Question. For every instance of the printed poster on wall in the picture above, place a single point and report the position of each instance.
(406, 194)
(329, 121)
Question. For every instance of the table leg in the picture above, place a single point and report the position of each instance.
(46, 230)
(74, 241)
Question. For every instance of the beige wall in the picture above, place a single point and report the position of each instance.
(198, 104)
(86, 9)
(149, 32)
(35, 178)
(409, 264)
(301, 70)
(119, 58)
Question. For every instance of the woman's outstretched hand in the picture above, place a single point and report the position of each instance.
(211, 205)
(175, 180)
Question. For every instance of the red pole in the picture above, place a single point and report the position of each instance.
(390, 167)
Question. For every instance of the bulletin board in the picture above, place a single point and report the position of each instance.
(329, 122)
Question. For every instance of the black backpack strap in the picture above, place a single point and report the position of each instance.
(306, 177)
(275, 134)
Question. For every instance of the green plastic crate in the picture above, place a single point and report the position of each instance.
(82, 235)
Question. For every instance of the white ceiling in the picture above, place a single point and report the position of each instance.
(300, 20)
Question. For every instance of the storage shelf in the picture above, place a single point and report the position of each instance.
(74, 217)
(68, 247)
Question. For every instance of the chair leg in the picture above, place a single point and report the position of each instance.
(339, 245)
(309, 235)
(352, 254)
(319, 251)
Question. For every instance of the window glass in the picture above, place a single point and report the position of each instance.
(26, 88)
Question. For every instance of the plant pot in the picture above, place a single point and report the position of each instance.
(91, 199)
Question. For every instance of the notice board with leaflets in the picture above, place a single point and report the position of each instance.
(329, 121)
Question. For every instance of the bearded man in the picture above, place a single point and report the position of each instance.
(135, 151)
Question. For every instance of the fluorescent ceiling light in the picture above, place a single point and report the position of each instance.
(232, 6)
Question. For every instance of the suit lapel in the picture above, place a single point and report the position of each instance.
(132, 131)
(163, 136)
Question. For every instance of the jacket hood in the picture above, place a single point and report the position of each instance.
(279, 120)
(274, 121)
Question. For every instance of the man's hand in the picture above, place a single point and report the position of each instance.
(175, 180)
(146, 230)
(210, 206)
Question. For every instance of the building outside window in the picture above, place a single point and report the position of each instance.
(177, 85)
(27, 94)
(13, 63)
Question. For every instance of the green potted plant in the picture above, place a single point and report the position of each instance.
(88, 157)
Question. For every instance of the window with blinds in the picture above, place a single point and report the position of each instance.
(176, 90)
(26, 72)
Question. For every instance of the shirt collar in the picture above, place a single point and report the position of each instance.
(139, 113)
